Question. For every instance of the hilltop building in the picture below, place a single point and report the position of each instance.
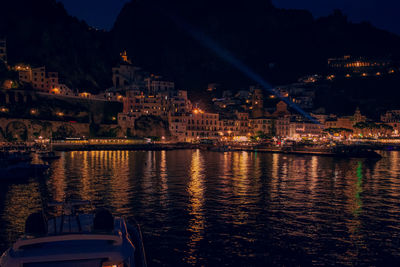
(39, 78)
(125, 74)
(362, 65)
(43, 81)
(127, 77)
(155, 84)
(302, 94)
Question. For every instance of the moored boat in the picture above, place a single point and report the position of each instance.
(74, 239)
(48, 156)
(340, 151)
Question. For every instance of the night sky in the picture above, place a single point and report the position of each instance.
(381, 13)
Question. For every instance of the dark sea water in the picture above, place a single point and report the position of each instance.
(230, 209)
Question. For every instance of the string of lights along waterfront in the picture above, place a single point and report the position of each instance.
(202, 208)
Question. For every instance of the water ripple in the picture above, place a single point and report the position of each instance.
(235, 208)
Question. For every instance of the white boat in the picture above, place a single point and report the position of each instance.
(48, 155)
(73, 239)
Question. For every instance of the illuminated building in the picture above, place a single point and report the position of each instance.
(303, 94)
(212, 87)
(154, 84)
(111, 95)
(85, 95)
(129, 77)
(178, 126)
(41, 80)
(281, 110)
(179, 102)
(346, 122)
(310, 79)
(242, 119)
(125, 73)
(229, 127)
(137, 101)
(392, 118)
(25, 74)
(262, 124)
(167, 105)
(257, 102)
(298, 129)
(202, 125)
(144, 96)
(62, 90)
(282, 126)
(363, 65)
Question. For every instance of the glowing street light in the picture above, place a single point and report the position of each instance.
(197, 111)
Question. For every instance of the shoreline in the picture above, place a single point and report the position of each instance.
(215, 148)
(212, 148)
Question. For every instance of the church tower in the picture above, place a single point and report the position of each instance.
(124, 57)
(358, 117)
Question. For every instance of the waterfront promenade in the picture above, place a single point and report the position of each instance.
(147, 145)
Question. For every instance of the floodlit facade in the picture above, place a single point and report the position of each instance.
(392, 118)
(263, 124)
(282, 126)
(124, 75)
(298, 129)
(358, 63)
(346, 122)
(40, 79)
(155, 84)
(202, 125)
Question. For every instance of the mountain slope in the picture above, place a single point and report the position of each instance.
(41, 33)
(280, 45)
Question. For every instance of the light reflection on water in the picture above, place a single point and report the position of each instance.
(233, 208)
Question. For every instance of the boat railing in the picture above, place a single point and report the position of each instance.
(116, 239)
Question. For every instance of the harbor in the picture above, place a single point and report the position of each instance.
(139, 133)
(189, 202)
